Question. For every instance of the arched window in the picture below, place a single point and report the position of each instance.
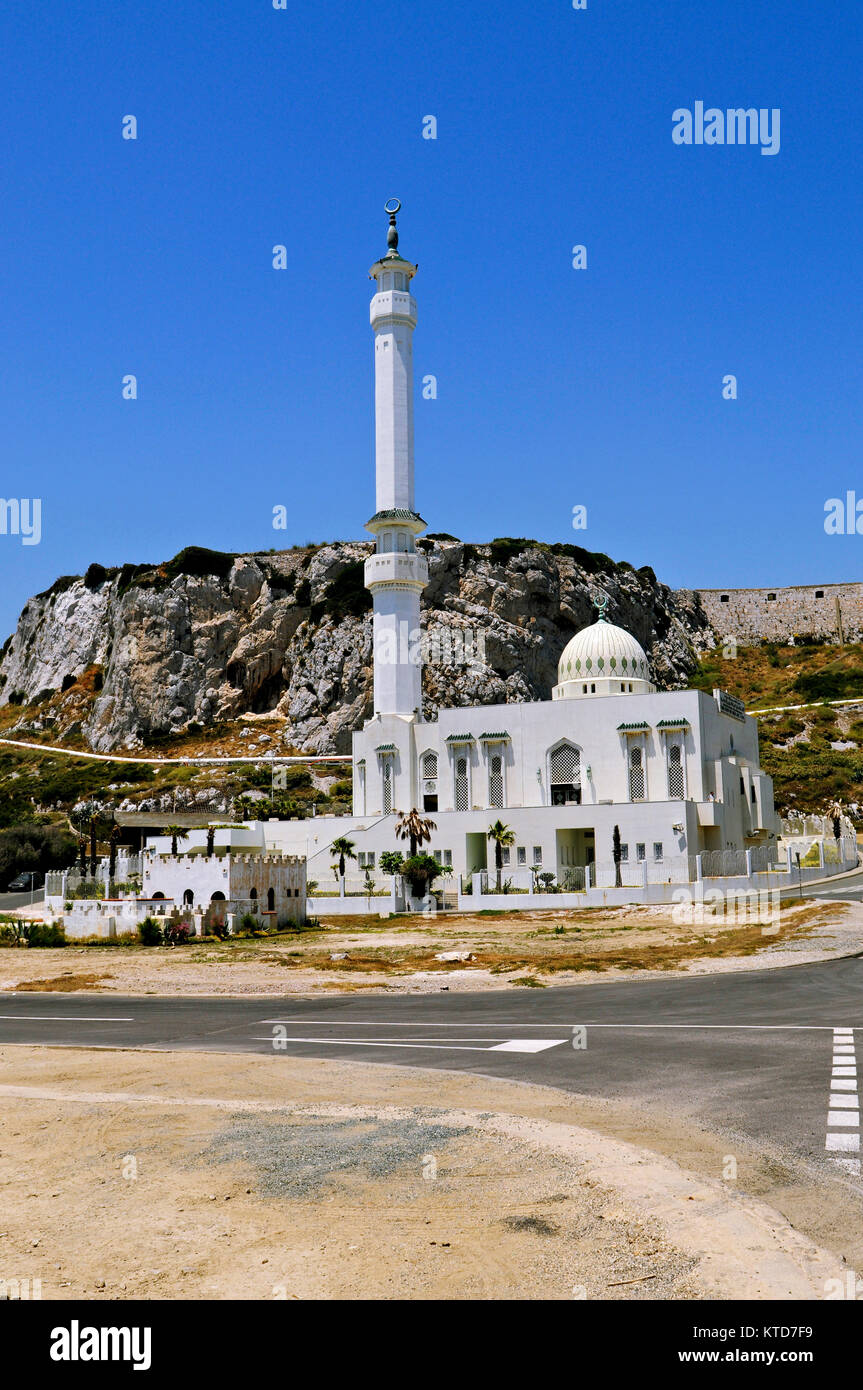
(495, 781)
(564, 774)
(428, 777)
(675, 773)
(157, 895)
(253, 894)
(217, 897)
(388, 786)
(271, 899)
(188, 898)
(462, 784)
(636, 773)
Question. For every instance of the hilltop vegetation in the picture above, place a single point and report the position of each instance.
(797, 746)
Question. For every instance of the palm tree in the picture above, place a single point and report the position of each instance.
(175, 831)
(615, 854)
(112, 857)
(345, 850)
(414, 828)
(94, 849)
(503, 838)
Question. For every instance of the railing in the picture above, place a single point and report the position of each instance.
(724, 863)
(678, 868)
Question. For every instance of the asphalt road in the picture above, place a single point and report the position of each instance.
(744, 1053)
(10, 901)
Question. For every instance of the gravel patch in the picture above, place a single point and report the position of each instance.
(292, 1159)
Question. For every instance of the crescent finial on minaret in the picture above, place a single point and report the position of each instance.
(392, 231)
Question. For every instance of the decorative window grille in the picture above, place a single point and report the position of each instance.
(521, 855)
(675, 773)
(565, 770)
(388, 787)
(657, 849)
(640, 852)
(447, 857)
(504, 855)
(537, 854)
(428, 777)
(462, 788)
(495, 781)
(636, 774)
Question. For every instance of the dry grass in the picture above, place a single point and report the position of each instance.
(64, 984)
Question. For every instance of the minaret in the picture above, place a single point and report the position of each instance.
(395, 574)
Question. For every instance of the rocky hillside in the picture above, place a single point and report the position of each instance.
(124, 658)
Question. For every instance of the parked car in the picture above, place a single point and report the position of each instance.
(27, 882)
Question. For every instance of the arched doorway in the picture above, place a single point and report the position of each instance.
(271, 899)
(564, 774)
(188, 898)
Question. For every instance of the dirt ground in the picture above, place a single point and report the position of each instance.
(523, 949)
(197, 1176)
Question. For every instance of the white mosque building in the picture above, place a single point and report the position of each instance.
(678, 772)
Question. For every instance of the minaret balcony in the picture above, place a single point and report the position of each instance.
(396, 568)
(393, 306)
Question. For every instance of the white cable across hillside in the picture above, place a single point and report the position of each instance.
(269, 756)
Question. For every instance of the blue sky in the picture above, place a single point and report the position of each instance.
(557, 387)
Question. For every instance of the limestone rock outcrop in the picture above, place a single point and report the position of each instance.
(208, 637)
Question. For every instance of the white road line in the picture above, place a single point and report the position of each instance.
(844, 1104)
(844, 1143)
(575, 1022)
(67, 1018)
(517, 1045)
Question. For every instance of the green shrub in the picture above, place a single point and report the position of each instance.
(38, 847)
(248, 925)
(829, 685)
(46, 934)
(150, 932)
(198, 561)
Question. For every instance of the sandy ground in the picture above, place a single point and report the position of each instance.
(194, 1176)
(506, 950)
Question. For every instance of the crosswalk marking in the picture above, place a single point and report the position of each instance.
(844, 1111)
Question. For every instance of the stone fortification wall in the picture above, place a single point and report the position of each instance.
(832, 612)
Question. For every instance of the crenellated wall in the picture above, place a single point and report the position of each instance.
(832, 612)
